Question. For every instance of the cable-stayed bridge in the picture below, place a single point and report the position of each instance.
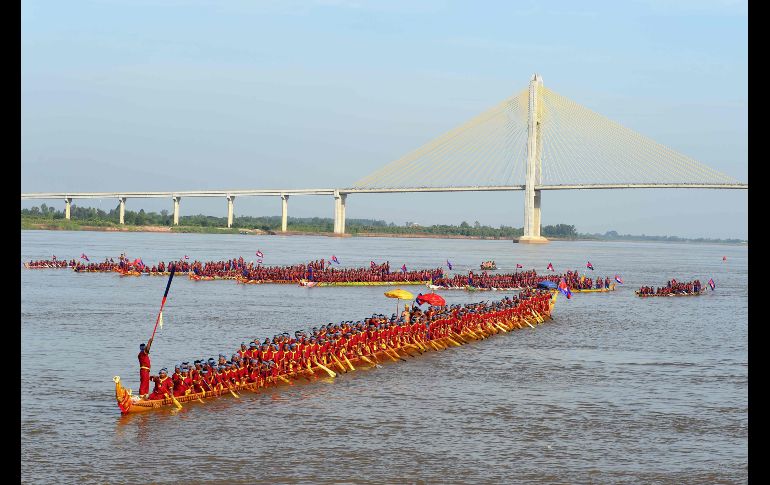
(533, 141)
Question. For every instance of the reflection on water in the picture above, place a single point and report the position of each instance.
(616, 389)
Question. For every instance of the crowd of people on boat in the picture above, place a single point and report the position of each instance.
(577, 281)
(673, 287)
(333, 345)
(49, 263)
(522, 279)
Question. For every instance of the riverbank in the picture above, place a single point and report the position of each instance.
(63, 225)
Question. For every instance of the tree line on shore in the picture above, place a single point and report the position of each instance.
(89, 216)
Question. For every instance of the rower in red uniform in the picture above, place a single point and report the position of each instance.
(178, 382)
(144, 368)
(163, 385)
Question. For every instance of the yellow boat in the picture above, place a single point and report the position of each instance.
(129, 403)
(360, 283)
(594, 290)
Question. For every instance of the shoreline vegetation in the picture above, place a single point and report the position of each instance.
(90, 219)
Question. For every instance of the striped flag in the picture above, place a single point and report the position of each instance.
(618, 279)
(186, 257)
(83, 256)
(518, 266)
(449, 264)
(565, 289)
(259, 253)
(371, 263)
(334, 259)
(590, 266)
(403, 268)
(712, 284)
(550, 266)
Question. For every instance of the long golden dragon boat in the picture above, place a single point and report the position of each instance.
(360, 283)
(130, 403)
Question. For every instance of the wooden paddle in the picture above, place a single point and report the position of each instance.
(176, 403)
(452, 342)
(396, 354)
(363, 357)
(328, 371)
(348, 361)
(339, 363)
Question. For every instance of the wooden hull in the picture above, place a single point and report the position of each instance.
(471, 288)
(360, 283)
(128, 403)
(594, 290)
(130, 273)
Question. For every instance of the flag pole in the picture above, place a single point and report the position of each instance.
(163, 302)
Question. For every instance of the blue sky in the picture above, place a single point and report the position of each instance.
(186, 95)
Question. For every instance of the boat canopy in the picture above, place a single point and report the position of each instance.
(547, 284)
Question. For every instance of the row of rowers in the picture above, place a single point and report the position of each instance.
(333, 344)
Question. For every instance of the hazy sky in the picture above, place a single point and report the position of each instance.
(122, 95)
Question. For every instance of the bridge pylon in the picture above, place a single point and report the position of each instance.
(534, 173)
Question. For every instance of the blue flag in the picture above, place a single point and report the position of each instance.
(449, 264)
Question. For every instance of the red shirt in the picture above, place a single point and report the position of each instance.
(144, 360)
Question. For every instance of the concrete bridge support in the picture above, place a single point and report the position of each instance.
(534, 166)
(230, 199)
(122, 209)
(67, 203)
(339, 212)
(284, 211)
(176, 210)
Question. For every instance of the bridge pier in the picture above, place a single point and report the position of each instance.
(339, 212)
(122, 209)
(176, 209)
(230, 199)
(284, 211)
(534, 167)
(67, 202)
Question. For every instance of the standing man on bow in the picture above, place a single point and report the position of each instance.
(144, 369)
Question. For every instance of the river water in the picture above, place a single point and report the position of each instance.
(617, 389)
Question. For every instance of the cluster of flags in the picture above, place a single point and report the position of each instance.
(449, 264)
(259, 256)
